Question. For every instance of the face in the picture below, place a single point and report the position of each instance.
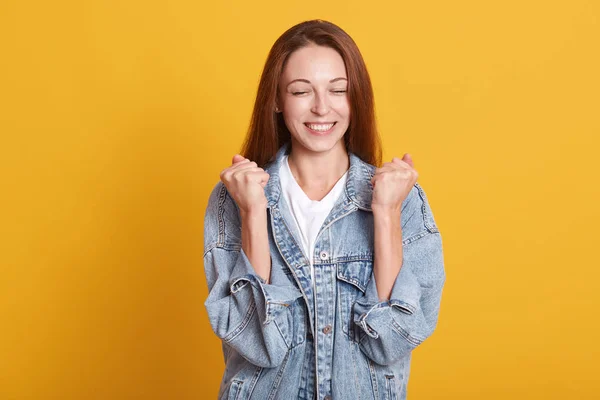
(313, 99)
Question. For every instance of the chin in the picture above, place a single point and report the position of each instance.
(319, 146)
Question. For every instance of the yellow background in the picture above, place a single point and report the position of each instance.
(117, 116)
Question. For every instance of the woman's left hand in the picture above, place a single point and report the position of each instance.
(392, 184)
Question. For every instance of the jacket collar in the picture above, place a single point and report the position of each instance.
(358, 190)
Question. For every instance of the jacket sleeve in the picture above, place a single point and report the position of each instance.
(396, 327)
(243, 310)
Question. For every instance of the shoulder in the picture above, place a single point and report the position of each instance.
(222, 223)
(417, 215)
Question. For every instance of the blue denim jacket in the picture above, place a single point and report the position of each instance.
(284, 340)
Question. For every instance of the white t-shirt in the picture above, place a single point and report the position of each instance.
(308, 214)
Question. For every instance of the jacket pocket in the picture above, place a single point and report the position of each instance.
(391, 388)
(242, 384)
(235, 390)
(293, 329)
(353, 277)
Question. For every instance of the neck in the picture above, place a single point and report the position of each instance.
(317, 173)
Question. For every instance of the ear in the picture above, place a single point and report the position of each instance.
(277, 104)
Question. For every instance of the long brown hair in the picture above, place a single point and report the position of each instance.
(268, 132)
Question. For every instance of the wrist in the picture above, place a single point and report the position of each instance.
(253, 212)
(386, 212)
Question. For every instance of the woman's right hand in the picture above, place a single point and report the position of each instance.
(245, 182)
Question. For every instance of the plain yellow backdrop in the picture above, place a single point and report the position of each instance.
(117, 116)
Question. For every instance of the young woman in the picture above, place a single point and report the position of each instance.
(324, 271)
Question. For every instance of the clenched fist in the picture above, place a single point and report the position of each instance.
(245, 182)
(392, 183)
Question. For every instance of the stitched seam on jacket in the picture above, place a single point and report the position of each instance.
(277, 380)
(414, 237)
(220, 212)
(411, 339)
(254, 380)
(242, 324)
(430, 226)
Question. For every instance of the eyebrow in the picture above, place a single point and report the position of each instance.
(307, 81)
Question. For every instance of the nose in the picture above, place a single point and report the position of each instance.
(320, 105)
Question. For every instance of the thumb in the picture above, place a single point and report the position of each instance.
(264, 180)
(237, 158)
(408, 159)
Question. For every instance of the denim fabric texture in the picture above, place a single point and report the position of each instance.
(284, 340)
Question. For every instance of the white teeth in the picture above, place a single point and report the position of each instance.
(321, 128)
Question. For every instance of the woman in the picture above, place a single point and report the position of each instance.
(324, 272)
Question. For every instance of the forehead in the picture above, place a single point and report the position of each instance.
(314, 63)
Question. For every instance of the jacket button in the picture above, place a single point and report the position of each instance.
(324, 255)
(327, 329)
(328, 397)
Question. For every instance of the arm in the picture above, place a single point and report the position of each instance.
(388, 255)
(255, 241)
(397, 326)
(243, 309)
(392, 184)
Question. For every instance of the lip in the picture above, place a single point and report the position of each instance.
(320, 133)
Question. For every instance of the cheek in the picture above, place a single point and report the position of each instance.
(296, 108)
(343, 107)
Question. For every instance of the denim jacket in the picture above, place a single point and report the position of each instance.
(286, 340)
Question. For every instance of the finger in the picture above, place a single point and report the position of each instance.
(228, 172)
(259, 176)
(239, 173)
(231, 173)
(237, 158)
(244, 164)
(387, 167)
(408, 159)
(400, 162)
(395, 174)
(380, 178)
(265, 180)
(265, 177)
(252, 175)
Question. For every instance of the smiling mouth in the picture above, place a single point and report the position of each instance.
(320, 127)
